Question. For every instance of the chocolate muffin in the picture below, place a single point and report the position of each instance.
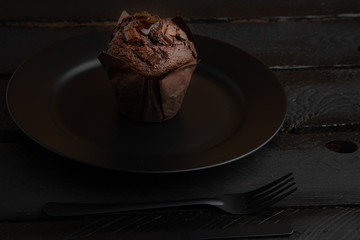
(150, 62)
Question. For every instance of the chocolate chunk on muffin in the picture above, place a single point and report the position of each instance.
(150, 62)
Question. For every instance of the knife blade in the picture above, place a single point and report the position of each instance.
(280, 229)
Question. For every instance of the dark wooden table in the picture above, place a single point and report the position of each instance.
(313, 47)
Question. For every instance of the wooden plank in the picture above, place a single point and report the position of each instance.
(317, 223)
(274, 43)
(111, 9)
(291, 43)
(31, 176)
(321, 98)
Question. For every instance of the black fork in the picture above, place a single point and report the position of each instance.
(236, 203)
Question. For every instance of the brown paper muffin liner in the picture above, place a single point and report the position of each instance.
(148, 99)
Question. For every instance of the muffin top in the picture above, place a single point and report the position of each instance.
(151, 46)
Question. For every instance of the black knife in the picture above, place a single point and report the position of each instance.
(280, 229)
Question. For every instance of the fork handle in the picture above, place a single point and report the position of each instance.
(61, 209)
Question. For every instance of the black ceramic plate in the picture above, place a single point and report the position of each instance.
(62, 99)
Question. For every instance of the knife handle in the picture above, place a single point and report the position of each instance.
(247, 231)
(280, 229)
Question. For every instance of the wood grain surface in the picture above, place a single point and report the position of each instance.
(312, 47)
(323, 105)
(111, 9)
(285, 44)
(30, 172)
(315, 223)
(321, 98)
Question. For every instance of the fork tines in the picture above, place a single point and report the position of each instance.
(271, 193)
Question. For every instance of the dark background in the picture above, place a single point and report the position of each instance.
(312, 47)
